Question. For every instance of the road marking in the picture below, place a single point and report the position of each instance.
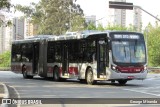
(18, 105)
(146, 88)
(142, 92)
(157, 79)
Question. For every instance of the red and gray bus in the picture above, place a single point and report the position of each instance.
(88, 56)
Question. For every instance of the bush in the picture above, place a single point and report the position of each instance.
(5, 59)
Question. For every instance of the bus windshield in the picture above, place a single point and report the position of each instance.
(132, 51)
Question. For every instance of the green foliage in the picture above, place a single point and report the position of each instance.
(4, 4)
(115, 27)
(55, 16)
(100, 27)
(152, 35)
(5, 59)
(91, 26)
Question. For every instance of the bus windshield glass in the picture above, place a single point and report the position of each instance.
(129, 51)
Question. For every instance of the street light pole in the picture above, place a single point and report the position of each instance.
(125, 5)
(146, 12)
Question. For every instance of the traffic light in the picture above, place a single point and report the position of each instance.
(120, 5)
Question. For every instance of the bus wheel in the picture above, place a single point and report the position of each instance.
(24, 72)
(82, 80)
(122, 82)
(30, 77)
(56, 74)
(90, 78)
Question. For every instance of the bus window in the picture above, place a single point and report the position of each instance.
(16, 53)
(91, 50)
(74, 54)
(27, 54)
(50, 53)
(58, 52)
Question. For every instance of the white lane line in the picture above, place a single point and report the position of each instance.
(146, 88)
(157, 79)
(142, 92)
(18, 105)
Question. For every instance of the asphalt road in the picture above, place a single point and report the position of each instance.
(45, 88)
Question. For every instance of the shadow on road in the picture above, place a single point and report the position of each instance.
(99, 83)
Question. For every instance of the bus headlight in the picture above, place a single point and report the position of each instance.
(144, 69)
(114, 68)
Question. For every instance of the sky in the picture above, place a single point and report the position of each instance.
(100, 9)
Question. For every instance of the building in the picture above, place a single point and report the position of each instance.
(91, 19)
(18, 28)
(117, 16)
(5, 34)
(23, 28)
(137, 19)
(29, 28)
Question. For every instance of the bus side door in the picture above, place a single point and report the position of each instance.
(65, 59)
(101, 58)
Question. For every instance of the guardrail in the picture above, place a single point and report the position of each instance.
(154, 69)
(5, 68)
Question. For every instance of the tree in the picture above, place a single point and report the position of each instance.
(100, 27)
(91, 26)
(115, 27)
(131, 28)
(152, 35)
(4, 4)
(55, 16)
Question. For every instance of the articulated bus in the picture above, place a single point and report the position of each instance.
(88, 56)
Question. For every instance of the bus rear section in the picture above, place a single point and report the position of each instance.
(25, 58)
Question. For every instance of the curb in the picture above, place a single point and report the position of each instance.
(5, 91)
(6, 94)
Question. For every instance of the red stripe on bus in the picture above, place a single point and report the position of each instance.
(29, 68)
(16, 68)
(130, 69)
(50, 69)
(73, 70)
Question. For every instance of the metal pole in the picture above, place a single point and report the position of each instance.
(147, 43)
(147, 12)
(137, 7)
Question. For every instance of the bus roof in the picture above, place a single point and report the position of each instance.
(36, 38)
(74, 36)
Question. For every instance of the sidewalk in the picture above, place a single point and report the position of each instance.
(150, 75)
(1, 91)
(3, 94)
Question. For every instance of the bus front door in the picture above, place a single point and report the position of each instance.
(101, 60)
(65, 60)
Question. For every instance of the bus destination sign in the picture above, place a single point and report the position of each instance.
(126, 36)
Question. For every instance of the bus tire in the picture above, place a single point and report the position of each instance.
(122, 82)
(82, 80)
(30, 77)
(56, 76)
(24, 72)
(89, 77)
